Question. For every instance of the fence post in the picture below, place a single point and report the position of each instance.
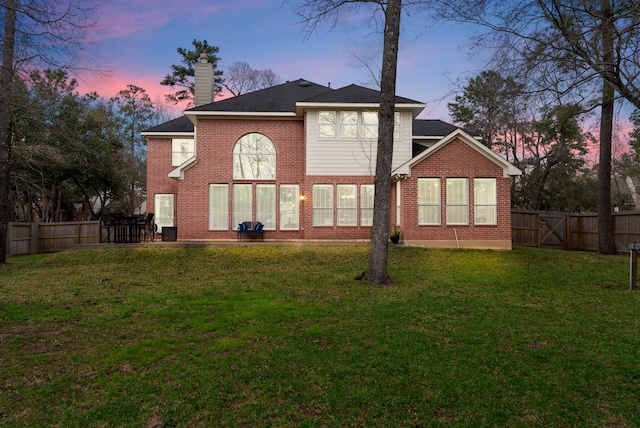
(567, 231)
(9, 234)
(35, 238)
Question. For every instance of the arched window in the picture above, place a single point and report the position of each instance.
(254, 158)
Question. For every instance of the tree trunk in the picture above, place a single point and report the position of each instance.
(6, 85)
(606, 242)
(377, 274)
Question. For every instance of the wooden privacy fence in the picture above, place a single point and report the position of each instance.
(571, 231)
(31, 238)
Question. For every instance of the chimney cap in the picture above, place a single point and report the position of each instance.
(204, 57)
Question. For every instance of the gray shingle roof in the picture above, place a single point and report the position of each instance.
(355, 94)
(276, 99)
(432, 128)
(181, 124)
(283, 98)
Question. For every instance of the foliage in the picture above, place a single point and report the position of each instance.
(487, 104)
(65, 147)
(181, 78)
(283, 336)
(71, 147)
(135, 113)
(548, 145)
(34, 33)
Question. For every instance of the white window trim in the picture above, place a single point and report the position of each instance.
(437, 205)
(225, 212)
(452, 205)
(360, 125)
(296, 202)
(354, 209)
(329, 208)
(492, 205)
(369, 209)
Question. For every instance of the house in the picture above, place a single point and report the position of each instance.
(300, 158)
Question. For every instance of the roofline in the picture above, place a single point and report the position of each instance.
(427, 137)
(192, 115)
(415, 107)
(507, 168)
(168, 134)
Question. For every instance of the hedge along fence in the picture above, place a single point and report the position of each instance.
(571, 231)
(31, 238)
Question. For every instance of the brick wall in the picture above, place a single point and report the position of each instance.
(455, 160)
(158, 166)
(214, 147)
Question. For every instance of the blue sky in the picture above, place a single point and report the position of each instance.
(136, 40)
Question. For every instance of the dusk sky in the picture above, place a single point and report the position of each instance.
(136, 41)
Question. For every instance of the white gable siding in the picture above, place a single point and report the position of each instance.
(350, 157)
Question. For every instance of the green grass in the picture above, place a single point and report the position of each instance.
(284, 336)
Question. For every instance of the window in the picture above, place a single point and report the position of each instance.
(78, 207)
(266, 205)
(254, 158)
(327, 124)
(182, 149)
(428, 201)
(484, 198)
(241, 204)
(289, 207)
(347, 204)
(370, 124)
(163, 205)
(457, 201)
(366, 204)
(323, 205)
(349, 124)
(218, 207)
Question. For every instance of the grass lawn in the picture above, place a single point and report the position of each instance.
(284, 336)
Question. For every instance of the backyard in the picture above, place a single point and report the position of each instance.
(284, 336)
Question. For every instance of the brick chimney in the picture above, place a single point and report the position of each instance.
(203, 81)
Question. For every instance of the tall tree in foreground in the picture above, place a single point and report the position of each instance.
(36, 32)
(6, 88)
(378, 274)
(315, 11)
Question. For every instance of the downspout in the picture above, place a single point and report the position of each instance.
(455, 232)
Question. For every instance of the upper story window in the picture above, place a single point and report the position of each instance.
(370, 124)
(349, 124)
(353, 124)
(254, 158)
(327, 124)
(182, 149)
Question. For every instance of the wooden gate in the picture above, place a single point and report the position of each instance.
(553, 230)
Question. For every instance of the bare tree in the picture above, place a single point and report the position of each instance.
(240, 78)
(36, 33)
(316, 11)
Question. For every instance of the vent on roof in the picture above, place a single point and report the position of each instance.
(305, 84)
